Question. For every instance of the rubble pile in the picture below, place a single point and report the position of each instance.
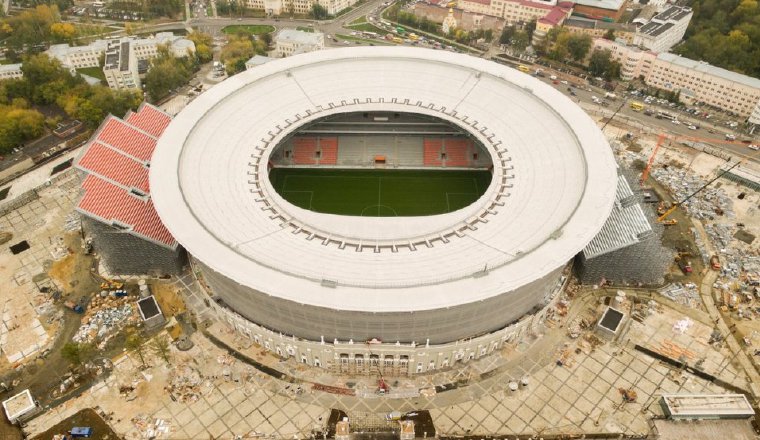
(709, 204)
(185, 384)
(104, 317)
(151, 427)
(684, 294)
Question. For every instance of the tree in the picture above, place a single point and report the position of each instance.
(318, 12)
(602, 64)
(77, 354)
(530, 28)
(63, 32)
(160, 346)
(30, 28)
(19, 125)
(135, 342)
(507, 34)
(203, 46)
(609, 35)
(166, 73)
(578, 46)
(521, 40)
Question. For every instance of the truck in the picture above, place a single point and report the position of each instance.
(610, 96)
(523, 68)
(74, 307)
(636, 106)
(685, 266)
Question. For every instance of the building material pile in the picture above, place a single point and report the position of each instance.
(684, 294)
(709, 204)
(151, 427)
(104, 318)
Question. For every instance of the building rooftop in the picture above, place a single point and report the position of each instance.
(300, 37)
(707, 405)
(209, 182)
(258, 60)
(18, 405)
(602, 4)
(673, 13)
(10, 67)
(701, 66)
(626, 225)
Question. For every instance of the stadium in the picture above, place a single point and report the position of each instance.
(398, 206)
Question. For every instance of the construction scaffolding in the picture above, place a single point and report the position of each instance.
(628, 249)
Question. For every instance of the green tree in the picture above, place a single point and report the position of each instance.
(530, 27)
(136, 343)
(318, 12)
(610, 35)
(602, 64)
(77, 354)
(507, 34)
(160, 346)
(520, 41)
(166, 73)
(578, 46)
(30, 28)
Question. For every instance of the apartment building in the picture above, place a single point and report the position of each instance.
(10, 71)
(290, 42)
(78, 57)
(702, 82)
(547, 14)
(120, 67)
(301, 7)
(664, 30)
(696, 81)
(599, 28)
(600, 9)
(634, 62)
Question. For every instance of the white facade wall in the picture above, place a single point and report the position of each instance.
(301, 7)
(10, 71)
(634, 62)
(359, 357)
(289, 42)
(118, 76)
(723, 92)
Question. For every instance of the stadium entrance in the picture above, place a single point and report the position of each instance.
(380, 165)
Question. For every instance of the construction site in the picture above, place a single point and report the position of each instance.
(114, 320)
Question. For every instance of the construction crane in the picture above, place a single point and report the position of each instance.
(661, 139)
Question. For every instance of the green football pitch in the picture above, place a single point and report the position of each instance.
(379, 193)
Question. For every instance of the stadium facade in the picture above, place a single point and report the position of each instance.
(355, 293)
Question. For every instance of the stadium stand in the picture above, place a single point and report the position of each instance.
(458, 152)
(305, 150)
(351, 152)
(149, 119)
(409, 151)
(329, 148)
(432, 152)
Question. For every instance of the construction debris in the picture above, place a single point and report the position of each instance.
(104, 318)
(684, 294)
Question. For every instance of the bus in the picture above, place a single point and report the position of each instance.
(522, 68)
(637, 106)
(400, 30)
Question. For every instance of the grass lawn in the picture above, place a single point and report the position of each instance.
(380, 193)
(367, 27)
(253, 29)
(95, 72)
(360, 20)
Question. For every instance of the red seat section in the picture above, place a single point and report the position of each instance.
(329, 148)
(305, 150)
(432, 152)
(458, 152)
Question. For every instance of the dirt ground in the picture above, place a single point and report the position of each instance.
(84, 418)
(73, 273)
(168, 300)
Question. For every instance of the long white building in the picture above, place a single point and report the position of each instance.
(697, 81)
(300, 7)
(289, 42)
